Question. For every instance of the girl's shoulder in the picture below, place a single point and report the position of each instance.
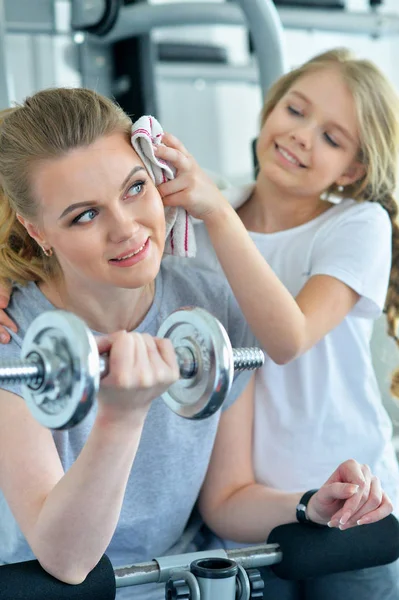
(352, 215)
(349, 209)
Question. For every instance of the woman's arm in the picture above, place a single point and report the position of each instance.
(69, 518)
(238, 508)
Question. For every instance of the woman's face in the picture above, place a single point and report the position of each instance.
(101, 214)
(310, 140)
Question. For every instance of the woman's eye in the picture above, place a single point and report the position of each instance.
(86, 216)
(136, 188)
(330, 141)
(294, 111)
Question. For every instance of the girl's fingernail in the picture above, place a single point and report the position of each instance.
(329, 524)
(345, 518)
(3, 338)
(354, 488)
(363, 521)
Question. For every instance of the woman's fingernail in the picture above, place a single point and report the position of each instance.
(354, 488)
(3, 338)
(329, 524)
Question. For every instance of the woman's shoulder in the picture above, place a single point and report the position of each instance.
(26, 303)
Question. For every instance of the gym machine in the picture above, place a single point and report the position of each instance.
(109, 21)
(294, 552)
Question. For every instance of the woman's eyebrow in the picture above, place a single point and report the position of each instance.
(132, 172)
(72, 207)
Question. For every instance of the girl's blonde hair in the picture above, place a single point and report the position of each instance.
(46, 126)
(377, 107)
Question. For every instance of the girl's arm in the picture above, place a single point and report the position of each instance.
(238, 508)
(69, 518)
(285, 326)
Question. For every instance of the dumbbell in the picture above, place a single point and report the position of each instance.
(60, 367)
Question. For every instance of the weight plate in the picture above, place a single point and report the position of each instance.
(70, 355)
(201, 395)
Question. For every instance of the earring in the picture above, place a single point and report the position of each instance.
(47, 252)
(340, 188)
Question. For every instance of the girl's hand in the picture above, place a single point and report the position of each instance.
(191, 188)
(140, 368)
(351, 496)
(5, 320)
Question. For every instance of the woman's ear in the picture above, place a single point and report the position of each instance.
(355, 172)
(33, 230)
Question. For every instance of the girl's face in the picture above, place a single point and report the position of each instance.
(101, 214)
(310, 139)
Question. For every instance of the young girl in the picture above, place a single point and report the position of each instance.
(323, 216)
(83, 229)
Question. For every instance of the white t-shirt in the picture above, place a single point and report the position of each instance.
(325, 406)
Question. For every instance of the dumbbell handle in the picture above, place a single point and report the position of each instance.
(244, 359)
(31, 370)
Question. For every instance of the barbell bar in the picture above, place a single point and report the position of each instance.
(60, 367)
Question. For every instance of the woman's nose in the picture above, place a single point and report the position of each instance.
(123, 226)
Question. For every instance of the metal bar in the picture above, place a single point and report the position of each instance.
(20, 371)
(213, 73)
(4, 95)
(372, 23)
(23, 16)
(150, 572)
(266, 31)
(139, 19)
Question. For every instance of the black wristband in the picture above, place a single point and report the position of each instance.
(302, 508)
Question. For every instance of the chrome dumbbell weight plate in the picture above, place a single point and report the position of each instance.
(200, 394)
(66, 351)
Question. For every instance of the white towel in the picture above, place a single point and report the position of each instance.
(180, 238)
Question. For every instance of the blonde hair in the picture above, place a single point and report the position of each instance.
(46, 126)
(377, 107)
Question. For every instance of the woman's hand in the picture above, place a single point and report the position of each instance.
(140, 368)
(191, 188)
(351, 496)
(5, 320)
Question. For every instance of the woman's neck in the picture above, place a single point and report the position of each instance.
(106, 309)
(270, 209)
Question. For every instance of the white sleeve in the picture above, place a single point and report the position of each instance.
(357, 250)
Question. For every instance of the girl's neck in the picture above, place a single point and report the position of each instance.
(104, 310)
(270, 209)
